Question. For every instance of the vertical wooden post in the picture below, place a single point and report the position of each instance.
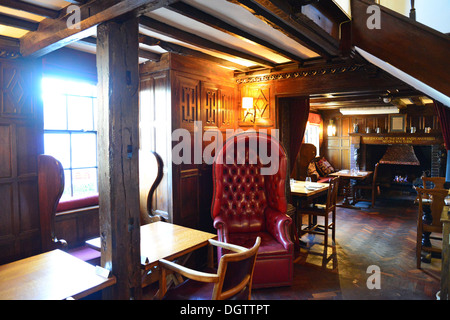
(118, 144)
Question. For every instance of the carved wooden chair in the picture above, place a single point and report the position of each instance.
(233, 279)
(429, 219)
(373, 186)
(323, 210)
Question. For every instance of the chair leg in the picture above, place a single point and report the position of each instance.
(419, 247)
(325, 242)
(333, 230)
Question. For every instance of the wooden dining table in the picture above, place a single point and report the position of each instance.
(164, 240)
(346, 177)
(53, 275)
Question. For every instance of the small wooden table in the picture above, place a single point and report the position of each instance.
(346, 176)
(54, 275)
(304, 195)
(163, 240)
(314, 189)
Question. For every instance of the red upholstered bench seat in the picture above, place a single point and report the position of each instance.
(83, 252)
(77, 203)
(86, 254)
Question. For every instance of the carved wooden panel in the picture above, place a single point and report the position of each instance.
(189, 198)
(226, 116)
(17, 90)
(210, 105)
(188, 101)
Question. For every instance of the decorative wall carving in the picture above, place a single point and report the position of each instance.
(299, 74)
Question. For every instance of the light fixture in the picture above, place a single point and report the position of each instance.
(369, 110)
(331, 130)
(247, 103)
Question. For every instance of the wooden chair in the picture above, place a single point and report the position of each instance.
(324, 211)
(373, 186)
(429, 218)
(430, 183)
(232, 280)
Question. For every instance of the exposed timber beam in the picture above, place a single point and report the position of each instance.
(57, 33)
(169, 31)
(202, 17)
(29, 7)
(316, 40)
(92, 41)
(18, 23)
(174, 48)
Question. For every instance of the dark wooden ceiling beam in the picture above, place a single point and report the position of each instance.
(55, 33)
(169, 31)
(205, 18)
(92, 41)
(31, 8)
(316, 40)
(174, 48)
(18, 23)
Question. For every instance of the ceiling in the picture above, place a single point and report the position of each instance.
(243, 35)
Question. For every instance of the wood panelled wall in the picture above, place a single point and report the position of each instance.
(21, 140)
(177, 93)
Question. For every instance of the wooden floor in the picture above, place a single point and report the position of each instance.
(385, 237)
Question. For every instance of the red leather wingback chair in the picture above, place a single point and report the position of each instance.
(247, 204)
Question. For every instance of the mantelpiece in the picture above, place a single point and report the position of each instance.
(397, 138)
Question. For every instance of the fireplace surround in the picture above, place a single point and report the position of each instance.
(399, 169)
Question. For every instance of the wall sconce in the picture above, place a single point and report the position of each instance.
(247, 103)
(331, 129)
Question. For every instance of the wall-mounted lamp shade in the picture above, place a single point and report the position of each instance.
(247, 103)
(373, 110)
(331, 130)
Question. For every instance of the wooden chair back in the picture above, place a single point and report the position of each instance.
(438, 182)
(50, 188)
(306, 155)
(375, 174)
(235, 272)
(332, 194)
(436, 204)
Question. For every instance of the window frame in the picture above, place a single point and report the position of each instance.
(68, 194)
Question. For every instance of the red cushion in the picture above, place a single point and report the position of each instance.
(77, 203)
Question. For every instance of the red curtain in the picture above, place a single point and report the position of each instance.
(298, 114)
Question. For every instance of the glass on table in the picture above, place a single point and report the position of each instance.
(307, 182)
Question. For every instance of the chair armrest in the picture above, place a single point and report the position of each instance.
(189, 273)
(227, 246)
(222, 229)
(277, 224)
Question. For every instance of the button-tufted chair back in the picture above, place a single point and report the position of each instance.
(241, 192)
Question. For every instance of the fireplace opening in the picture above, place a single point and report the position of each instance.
(399, 176)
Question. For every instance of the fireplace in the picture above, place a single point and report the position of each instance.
(403, 158)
